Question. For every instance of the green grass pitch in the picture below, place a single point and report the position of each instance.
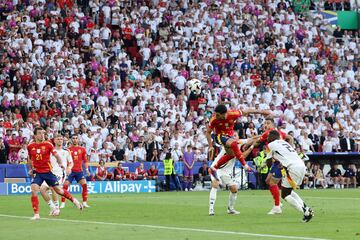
(184, 215)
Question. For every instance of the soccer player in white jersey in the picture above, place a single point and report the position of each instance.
(295, 170)
(226, 176)
(67, 162)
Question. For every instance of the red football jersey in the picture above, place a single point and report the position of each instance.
(225, 126)
(39, 154)
(264, 136)
(79, 157)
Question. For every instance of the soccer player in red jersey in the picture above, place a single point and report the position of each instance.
(78, 154)
(222, 124)
(275, 174)
(40, 169)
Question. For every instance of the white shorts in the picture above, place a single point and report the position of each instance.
(226, 178)
(297, 174)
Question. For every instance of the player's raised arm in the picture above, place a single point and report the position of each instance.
(255, 111)
(208, 138)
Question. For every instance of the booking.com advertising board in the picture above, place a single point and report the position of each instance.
(93, 187)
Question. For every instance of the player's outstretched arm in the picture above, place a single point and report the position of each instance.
(255, 111)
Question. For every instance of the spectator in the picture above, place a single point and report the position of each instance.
(102, 173)
(140, 172)
(119, 172)
(336, 177)
(3, 152)
(350, 175)
(204, 174)
(309, 176)
(347, 143)
(152, 173)
(118, 154)
(319, 177)
(130, 153)
(176, 153)
(140, 153)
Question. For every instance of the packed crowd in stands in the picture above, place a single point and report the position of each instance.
(115, 73)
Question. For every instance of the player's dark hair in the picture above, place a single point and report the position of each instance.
(38, 129)
(221, 109)
(273, 135)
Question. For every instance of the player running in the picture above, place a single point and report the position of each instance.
(222, 124)
(226, 175)
(275, 174)
(67, 162)
(295, 172)
(78, 155)
(40, 169)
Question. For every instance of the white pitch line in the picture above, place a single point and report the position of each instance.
(168, 228)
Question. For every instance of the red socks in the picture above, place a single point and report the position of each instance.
(67, 195)
(84, 192)
(237, 152)
(274, 189)
(35, 204)
(224, 159)
(65, 188)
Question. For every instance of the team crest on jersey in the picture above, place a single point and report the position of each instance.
(33, 149)
(43, 147)
(226, 124)
(75, 153)
(79, 151)
(38, 150)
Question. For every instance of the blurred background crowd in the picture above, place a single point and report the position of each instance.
(115, 72)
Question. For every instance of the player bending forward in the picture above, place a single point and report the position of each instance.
(226, 177)
(78, 155)
(40, 169)
(67, 162)
(295, 169)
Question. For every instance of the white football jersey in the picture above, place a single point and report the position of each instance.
(285, 154)
(65, 156)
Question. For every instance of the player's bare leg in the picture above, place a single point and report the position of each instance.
(67, 195)
(84, 193)
(55, 198)
(65, 187)
(294, 200)
(35, 201)
(44, 193)
(274, 189)
(232, 200)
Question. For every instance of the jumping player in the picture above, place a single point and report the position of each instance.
(295, 172)
(78, 155)
(40, 169)
(275, 173)
(226, 177)
(67, 162)
(222, 124)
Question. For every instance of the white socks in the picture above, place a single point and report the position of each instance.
(232, 200)
(293, 202)
(212, 199)
(297, 198)
(56, 204)
(51, 204)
